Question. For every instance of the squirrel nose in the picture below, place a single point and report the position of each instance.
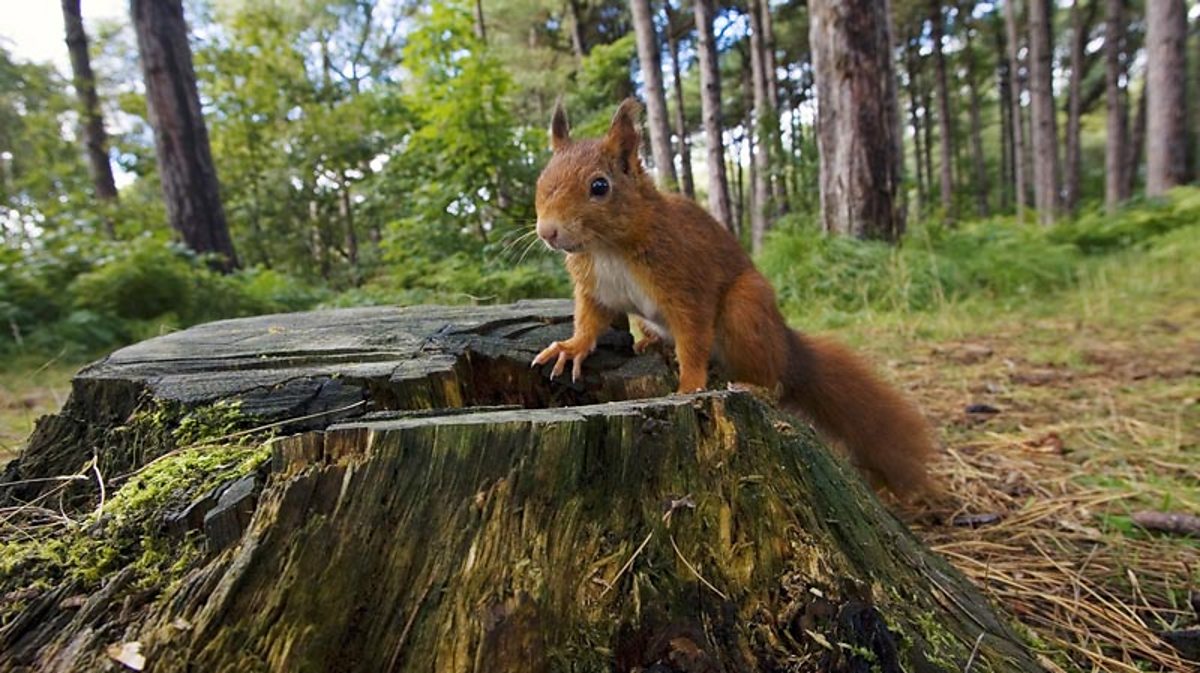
(548, 233)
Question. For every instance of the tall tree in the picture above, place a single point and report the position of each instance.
(1117, 114)
(774, 132)
(185, 166)
(1045, 135)
(95, 141)
(578, 41)
(710, 110)
(858, 123)
(944, 120)
(1166, 106)
(650, 59)
(685, 144)
(761, 176)
(1137, 142)
(1004, 99)
(978, 161)
(1081, 24)
(911, 59)
(1018, 126)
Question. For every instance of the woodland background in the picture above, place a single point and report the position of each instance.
(385, 151)
(994, 201)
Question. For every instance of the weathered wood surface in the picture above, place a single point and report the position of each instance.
(292, 366)
(554, 528)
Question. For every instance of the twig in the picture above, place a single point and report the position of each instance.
(99, 480)
(694, 571)
(974, 653)
(628, 563)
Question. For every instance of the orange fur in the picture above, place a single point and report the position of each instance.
(664, 259)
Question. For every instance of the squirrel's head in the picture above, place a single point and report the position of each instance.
(587, 194)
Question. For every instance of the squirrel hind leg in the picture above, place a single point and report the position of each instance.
(752, 338)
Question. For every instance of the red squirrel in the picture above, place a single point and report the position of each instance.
(631, 249)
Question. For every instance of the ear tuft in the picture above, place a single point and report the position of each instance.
(560, 130)
(623, 137)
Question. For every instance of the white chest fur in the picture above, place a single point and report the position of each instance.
(617, 289)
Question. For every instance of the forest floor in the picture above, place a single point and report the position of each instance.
(30, 389)
(1059, 417)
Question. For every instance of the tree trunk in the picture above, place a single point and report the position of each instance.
(978, 161)
(1003, 78)
(750, 190)
(578, 42)
(710, 107)
(1166, 106)
(480, 26)
(779, 195)
(927, 131)
(95, 141)
(681, 130)
(656, 99)
(1137, 142)
(1014, 72)
(1117, 115)
(440, 506)
(911, 54)
(760, 177)
(858, 122)
(1044, 128)
(945, 128)
(1080, 28)
(185, 165)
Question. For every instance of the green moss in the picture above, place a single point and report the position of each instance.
(127, 528)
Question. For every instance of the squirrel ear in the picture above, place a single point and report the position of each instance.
(623, 138)
(560, 130)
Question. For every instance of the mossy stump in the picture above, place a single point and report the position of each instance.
(439, 506)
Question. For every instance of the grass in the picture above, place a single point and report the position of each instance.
(1097, 387)
(29, 389)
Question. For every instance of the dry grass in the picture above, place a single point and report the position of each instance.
(29, 391)
(1095, 419)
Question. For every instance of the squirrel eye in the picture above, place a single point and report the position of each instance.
(599, 187)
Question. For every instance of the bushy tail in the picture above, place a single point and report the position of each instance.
(883, 431)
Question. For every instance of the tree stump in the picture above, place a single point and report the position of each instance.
(429, 502)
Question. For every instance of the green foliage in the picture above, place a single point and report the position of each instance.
(1097, 232)
(996, 261)
(54, 300)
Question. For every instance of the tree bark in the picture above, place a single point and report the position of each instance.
(185, 165)
(1014, 59)
(1045, 135)
(858, 123)
(710, 108)
(578, 42)
(95, 141)
(1081, 23)
(1166, 106)
(681, 130)
(656, 99)
(1003, 78)
(911, 56)
(1137, 142)
(1117, 114)
(480, 26)
(779, 194)
(763, 114)
(978, 161)
(945, 129)
(437, 505)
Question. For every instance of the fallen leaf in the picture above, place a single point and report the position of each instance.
(129, 654)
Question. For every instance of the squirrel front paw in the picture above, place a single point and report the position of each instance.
(572, 350)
